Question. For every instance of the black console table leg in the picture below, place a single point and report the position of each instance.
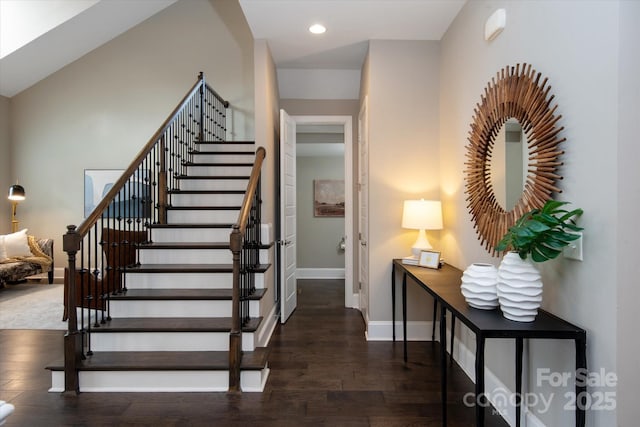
(481, 400)
(393, 300)
(404, 314)
(519, 346)
(581, 387)
(443, 363)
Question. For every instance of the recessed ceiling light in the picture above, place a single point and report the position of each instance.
(317, 29)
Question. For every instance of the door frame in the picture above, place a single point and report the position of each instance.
(351, 299)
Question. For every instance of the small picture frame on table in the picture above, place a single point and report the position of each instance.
(429, 259)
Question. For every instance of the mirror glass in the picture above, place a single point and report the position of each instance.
(508, 164)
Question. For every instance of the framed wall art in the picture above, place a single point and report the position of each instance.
(328, 198)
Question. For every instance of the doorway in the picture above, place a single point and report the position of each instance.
(344, 124)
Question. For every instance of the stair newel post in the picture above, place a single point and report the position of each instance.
(73, 338)
(162, 184)
(235, 336)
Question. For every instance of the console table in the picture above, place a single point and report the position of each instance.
(444, 286)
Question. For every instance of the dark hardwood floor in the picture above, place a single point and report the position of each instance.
(323, 373)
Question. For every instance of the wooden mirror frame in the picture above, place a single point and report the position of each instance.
(514, 92)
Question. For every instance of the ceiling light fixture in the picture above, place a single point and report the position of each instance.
(317, 29)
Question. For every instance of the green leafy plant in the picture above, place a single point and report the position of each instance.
(543, 233)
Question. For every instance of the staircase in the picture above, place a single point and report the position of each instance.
(169, 330)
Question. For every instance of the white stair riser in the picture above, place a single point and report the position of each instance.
(226, 147)
(185, 256)
(190, 235)
(167, 341)
(164, 235)
(202, 216)
(213, 184)
(224, 158)
(192, 256)
(177, 308)
(160, 381)
(207, 199)
(196, 170)
(185, 280)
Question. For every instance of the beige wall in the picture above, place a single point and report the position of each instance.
(317, 238)
(5, 165)
(267, 125)
(100, 110)
(628, 234)
(401, 80)
(582, 65)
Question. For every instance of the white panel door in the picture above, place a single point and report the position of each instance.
(363, 197)
(288, 285)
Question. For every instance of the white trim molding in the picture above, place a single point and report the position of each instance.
(416, 330)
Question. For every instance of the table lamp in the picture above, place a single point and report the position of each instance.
(421, 215)
(16, 194)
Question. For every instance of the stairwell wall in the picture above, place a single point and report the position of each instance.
(267, 131)
(98, 112)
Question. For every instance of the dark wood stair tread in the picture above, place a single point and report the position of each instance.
(185, 245)
(206, 192)
(167, 360)
(225, 142)
(218, 164)
(203, 208)
(173, 324)
(182, 295)
(189, 225)
(215, 177)
(190, 268)
(226, 153)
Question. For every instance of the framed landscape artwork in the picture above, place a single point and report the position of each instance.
(328, 198)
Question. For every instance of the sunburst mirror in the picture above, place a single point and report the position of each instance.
(516, 102)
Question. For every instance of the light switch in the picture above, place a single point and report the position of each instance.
(574, 249)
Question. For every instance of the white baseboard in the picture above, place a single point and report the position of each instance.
(416, 330)
(271, 321)
(320, 273)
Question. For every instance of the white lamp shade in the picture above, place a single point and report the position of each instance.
(422, 215)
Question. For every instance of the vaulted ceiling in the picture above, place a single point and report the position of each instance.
(54, 33)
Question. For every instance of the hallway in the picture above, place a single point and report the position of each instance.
(323, 373)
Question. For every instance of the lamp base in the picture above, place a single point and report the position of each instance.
(421, 244)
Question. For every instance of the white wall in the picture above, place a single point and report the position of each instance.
(560, 40)
(401, 80)
(97, 112)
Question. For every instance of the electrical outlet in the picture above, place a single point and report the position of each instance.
(574, 250)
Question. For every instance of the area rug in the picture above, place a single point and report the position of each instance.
(32, 306)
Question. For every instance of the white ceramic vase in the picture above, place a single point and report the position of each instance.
(479, 282)
(519, 288)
